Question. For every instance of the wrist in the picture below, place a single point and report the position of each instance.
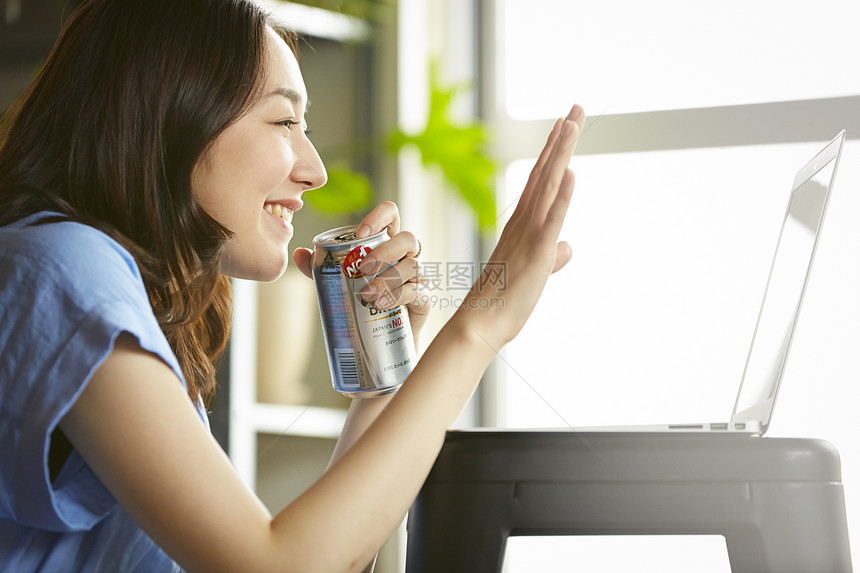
(470, 331)
(371, 404)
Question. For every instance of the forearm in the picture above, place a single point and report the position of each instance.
(361, 414)
(126, 422)
(363, 411)
(366, 493)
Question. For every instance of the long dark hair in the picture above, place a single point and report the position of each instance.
(131, 97)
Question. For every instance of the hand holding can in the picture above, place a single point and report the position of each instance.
(370, 351)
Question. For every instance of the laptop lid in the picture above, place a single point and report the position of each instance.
(789, 274)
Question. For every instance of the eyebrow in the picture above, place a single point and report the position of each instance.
(291, 94)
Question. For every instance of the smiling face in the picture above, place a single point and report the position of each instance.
(252, 178)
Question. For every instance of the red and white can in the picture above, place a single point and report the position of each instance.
(370, 352)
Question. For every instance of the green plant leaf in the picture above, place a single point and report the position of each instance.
(344, 192)
(458, 150)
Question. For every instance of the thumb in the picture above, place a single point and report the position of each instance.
(563, 254)
(302, 257)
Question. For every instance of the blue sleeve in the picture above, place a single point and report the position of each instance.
(66, 292)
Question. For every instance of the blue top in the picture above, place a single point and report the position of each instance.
(66, 292)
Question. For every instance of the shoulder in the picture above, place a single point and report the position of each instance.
(67, 291)
(67, 256)
(64, 284)
(65, 244)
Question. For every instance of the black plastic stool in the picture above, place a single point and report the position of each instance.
(778, 502)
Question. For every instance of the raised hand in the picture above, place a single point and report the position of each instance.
(528, 250)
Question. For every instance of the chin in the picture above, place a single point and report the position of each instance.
(271, 271)
(267, 278)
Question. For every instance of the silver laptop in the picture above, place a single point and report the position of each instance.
(780, 306)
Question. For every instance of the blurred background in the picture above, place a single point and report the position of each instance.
(699, 116)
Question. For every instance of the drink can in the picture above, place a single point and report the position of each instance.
(370, 352)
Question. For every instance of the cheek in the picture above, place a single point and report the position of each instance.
(242, 175)
(271, 165)
(208, 188)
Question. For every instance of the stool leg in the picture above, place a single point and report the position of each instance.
(458, 528)
(800, 527)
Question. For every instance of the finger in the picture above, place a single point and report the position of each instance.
(383, 216)
(544, 155)
(416, 297)
(408, 294)
(565, 141)
(550, 184)
(563, 149)
(577, 115)
(393, 278)
(558, 210)
(302, 258)
(404, 244)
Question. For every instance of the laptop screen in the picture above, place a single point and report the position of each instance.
(785, 287)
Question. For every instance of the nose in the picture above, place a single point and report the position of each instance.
(308, 170)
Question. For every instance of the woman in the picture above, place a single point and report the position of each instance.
(161, 150)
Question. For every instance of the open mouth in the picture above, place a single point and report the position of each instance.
(279, 211)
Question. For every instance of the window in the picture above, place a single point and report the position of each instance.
(625, 56)
(699, 118)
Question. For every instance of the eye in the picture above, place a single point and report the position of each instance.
(289, 123)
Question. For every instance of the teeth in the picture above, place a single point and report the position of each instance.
(279, 211)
